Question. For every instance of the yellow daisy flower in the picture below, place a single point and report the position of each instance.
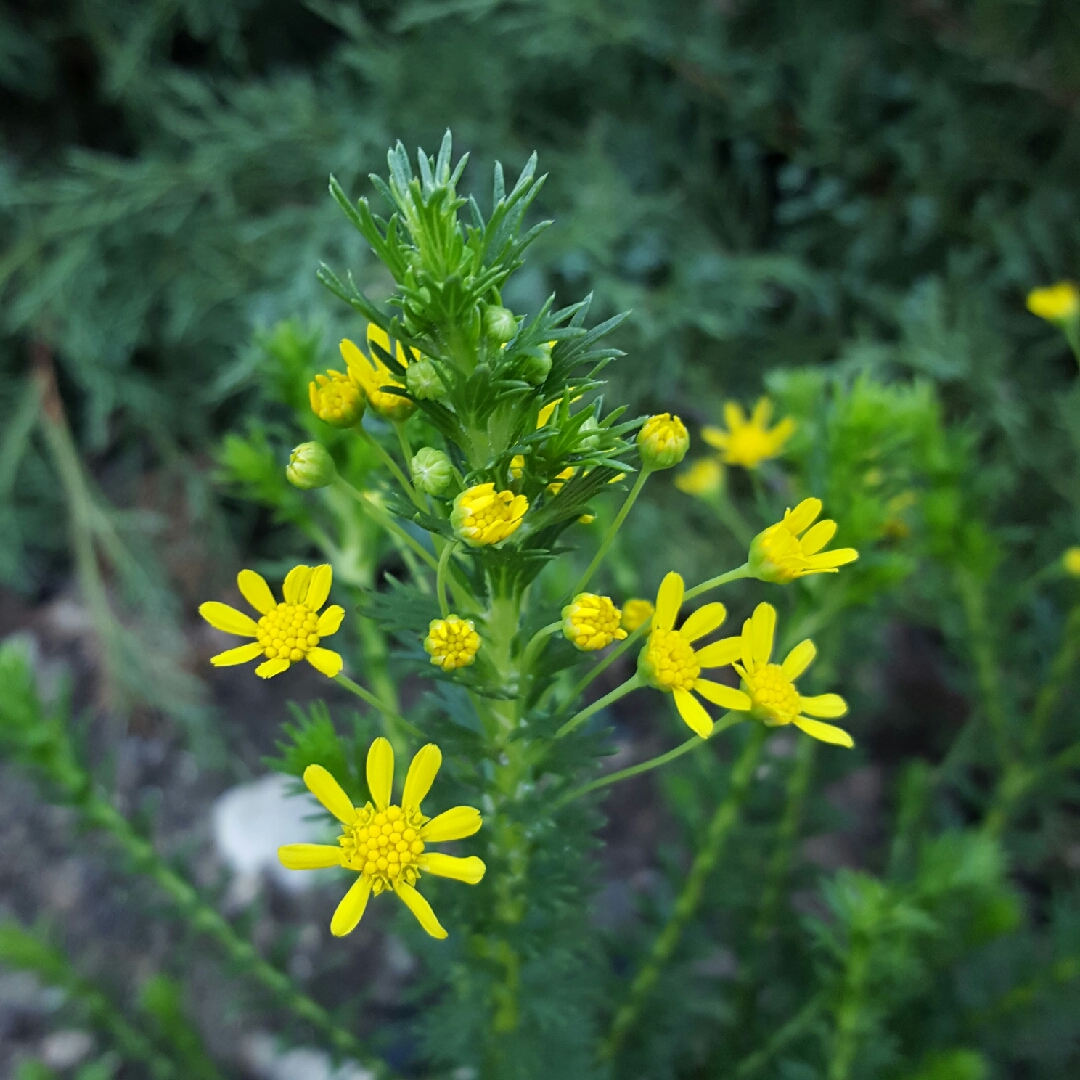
(670, 663)
(704, 477)
(386, 845)
(749, 443)
(786, 551)
(371, 374)
(1056, 302)
(771, 687)
(286, 632)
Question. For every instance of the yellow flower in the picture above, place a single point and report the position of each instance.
(704, 477)
(287, 632)
(771, 687)
(781, 553)
(663, 441)
(372, 375)
(335, 399)
(560, 480)
(1071, 561)
(636, 612)
(482, 515)
(452, 642)
(592, 622)
(670, 663)
(384, 844)
(749, 443)
(1055, 303)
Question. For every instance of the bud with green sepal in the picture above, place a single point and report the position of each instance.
(310, 466)
(663, 442)
(431, 471)
(423, 382)
(500, 324)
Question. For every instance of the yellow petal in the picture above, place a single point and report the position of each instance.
(326, 661)
(693, 712)
(801, 518)
(469, 870)
(763, 629)
(269, 668)
(255, 591)
(727, 697)
(421, 775)
(319, 587)
(716, 437)
(725, 651)
(734, 417)
(782, 432)
(799, 659)
(380, 772)
(453, 824)
(296, 584)
(703, 621)
(420, 908)
(352, 355)
(240, 655)
(762, 413)
(818, 536)
(308, 856)
(830, 560)
(351, 908)
(380, 337)
(330, 620)
(829, 706)
(328, 791)
(668, 602)
(824, 732)
(222, 617)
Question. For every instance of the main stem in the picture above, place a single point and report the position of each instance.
(620, 517)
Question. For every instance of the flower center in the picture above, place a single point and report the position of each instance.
(776, 701)
(452, 642)
(748, 445)
(288, 631)
(670, 658)
(385, 845)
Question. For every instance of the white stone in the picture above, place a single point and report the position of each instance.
(268, 1061)
(64, 1050)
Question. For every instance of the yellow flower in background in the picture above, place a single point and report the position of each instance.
(592, 622)
(771, 687)
(670, 663)
(286, 632)
(636, 612)
(749, 443)
(1071, 561)
(783, 553)
(372, 374)
(483, 516)
(704, 477)
(387, 845)
(335, 399)
(452, 642)
(1055, 303)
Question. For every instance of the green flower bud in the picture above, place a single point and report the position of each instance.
(422, 380)
(535, 367)
(663, 441)
(431, 470)
(310, 466)
(500, 324)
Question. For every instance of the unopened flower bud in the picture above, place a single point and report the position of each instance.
(591, 622)
(500, 324)
(422, 380)
(336, 399)
(431, 470)
(310, 466)
(483, 516)
(636, 612)
(663, 441)
(535, 367)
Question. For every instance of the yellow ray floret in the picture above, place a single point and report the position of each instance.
(387, 845)
(286, 632)
(670, 663)
(452, 642)
(770, 687)
(1056, 302)
(483, 516)
(787, 550)
(592, 622)
(749, 443)
(373, 376)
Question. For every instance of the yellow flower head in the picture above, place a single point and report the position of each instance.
(670, 663)
(749, 443)
(1071, 561)
(335, 399)
(636, 612)
(387, 845)
(770, 688)
(663, 441)
(452, 642)
(783, 553)
(705, 477)
(286, 632)
(1057, 303)
(592, 622)
(482, 515)
(372, 375)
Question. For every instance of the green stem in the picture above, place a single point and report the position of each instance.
(849, 1009)
(734, 521)
(440, 578)
(620, 517)
(732, 575)
(729, 719)
(602, 703)
(394, 468)
(375, 656)
(383, 517)
(720, 828)
(1060, 667)
(795, 1027)
(529, 657)
(604, 664)
(376, 703)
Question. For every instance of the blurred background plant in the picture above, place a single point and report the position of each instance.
(842, 205)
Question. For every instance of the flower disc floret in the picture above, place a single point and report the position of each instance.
(592, 622)
(336, 399)
(374, 378)
(791, 549)
(749, 443)
(286, 632)
(483, 516)
(452, 642)
(663, 441)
